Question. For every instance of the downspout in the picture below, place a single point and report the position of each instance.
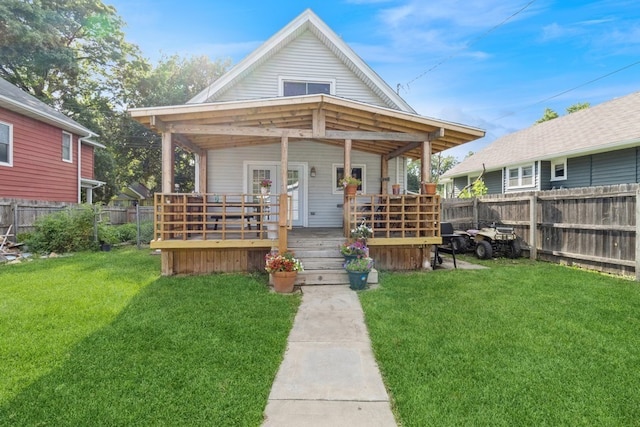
(79, 169)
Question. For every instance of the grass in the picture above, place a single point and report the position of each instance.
(101, 339)
(520, 344)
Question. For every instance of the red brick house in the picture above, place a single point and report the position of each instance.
(44, 155)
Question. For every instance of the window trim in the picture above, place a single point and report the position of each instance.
(555, 162)
(294, 79)
(70, 159)
(362, 188)
(520, 184)
(9, 162)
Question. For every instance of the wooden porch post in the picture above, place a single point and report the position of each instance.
(283, 208)
(384, 175)
(202, 171)
(167, 163)
(347, 172)
(425, 162)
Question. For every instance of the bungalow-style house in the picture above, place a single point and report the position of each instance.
(596, 146)
(136, 193)
(273, 139)
(44, 155)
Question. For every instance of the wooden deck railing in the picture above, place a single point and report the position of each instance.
(412, 218)
(218, 217)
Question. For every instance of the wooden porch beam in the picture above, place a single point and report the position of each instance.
(319, 123)
(401, 150)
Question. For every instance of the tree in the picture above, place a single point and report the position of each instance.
(439, 165)
(549, 114)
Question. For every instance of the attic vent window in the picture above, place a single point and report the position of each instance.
(297, 87)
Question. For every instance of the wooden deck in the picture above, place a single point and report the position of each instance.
(205, 233)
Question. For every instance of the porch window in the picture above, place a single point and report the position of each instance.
(357, 171)
(521, 176)
(559, 170)
(293, 86)
(6, 144)
(67, 150)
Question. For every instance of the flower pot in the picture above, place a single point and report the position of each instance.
(358, 280)
(429, 188)
(351, 189)
(283, 281)
(395, 188)
(264, 190)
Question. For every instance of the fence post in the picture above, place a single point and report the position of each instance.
(476, 223)
(533, 227)
(16, 219)
(637, 235)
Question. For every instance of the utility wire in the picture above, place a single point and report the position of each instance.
(569, 90)
(471, 43)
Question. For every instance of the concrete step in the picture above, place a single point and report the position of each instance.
(330, 277)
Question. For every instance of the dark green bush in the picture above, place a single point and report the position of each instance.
(70, 230)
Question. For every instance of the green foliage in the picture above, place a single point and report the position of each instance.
(70, 230)
(128, 232)
(478, 188)
(528, 344)
(100, 339)
(549, 114)
(439, 165)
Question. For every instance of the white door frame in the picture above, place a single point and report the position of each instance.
(304, 166)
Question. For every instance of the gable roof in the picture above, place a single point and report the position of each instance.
(608, 126)
(311, 22)
(15, 99)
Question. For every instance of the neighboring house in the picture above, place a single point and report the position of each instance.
(44, 155)
(134, 193)
(596, 146)
(302, 111)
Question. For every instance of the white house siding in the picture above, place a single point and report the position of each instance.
(307, 58)
(226, 174)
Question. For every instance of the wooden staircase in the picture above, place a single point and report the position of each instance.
(320, 256)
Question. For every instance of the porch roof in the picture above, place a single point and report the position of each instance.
(324, 118)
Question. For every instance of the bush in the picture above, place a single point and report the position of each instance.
(69, 230)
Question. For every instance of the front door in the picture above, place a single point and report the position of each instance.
(296, 186)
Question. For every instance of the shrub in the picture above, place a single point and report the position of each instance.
(69, 230)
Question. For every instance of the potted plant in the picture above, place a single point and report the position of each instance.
(265, 186)
(352, 250)
(283, 269)
(350, 184)
(358, 270)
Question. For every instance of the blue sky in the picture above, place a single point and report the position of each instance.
(492, 64)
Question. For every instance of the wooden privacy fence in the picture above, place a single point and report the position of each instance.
(23, 214)
(592, 227)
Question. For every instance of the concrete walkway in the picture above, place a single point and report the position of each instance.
(329, 376)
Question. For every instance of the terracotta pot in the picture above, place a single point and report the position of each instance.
(395, 188)
(283, 281)
(351, 189)
(429, 188)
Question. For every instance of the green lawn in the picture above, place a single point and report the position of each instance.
(101, 339)
(518, 344)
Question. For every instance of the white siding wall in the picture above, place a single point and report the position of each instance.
(308, 57)
(226, 174)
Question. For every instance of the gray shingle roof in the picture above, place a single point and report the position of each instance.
(611, 125)
(15, 99)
